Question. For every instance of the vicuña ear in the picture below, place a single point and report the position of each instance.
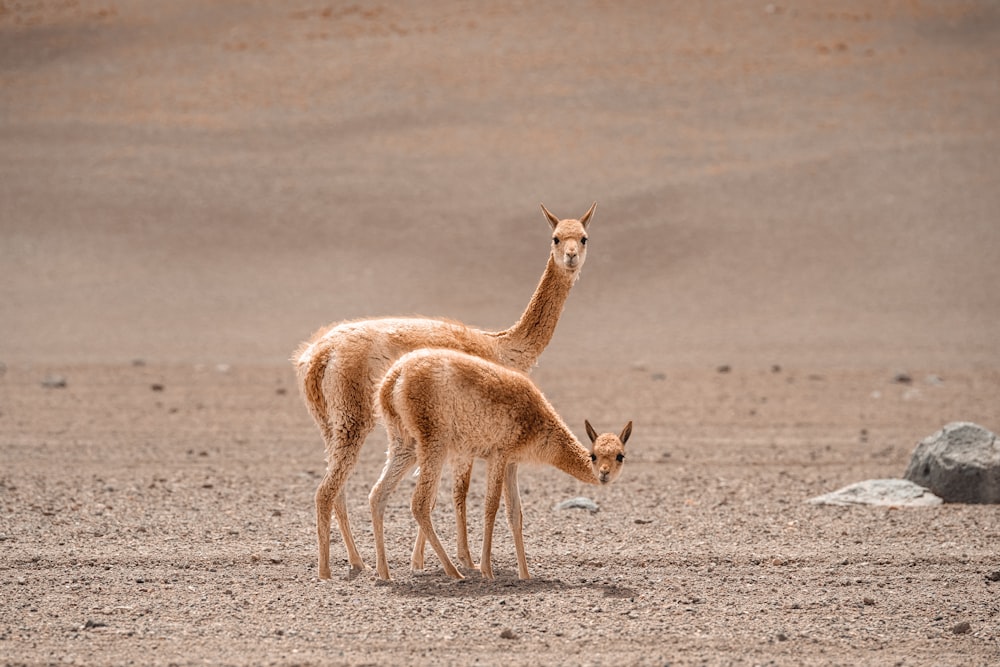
(626, 432)
(591, 433)
(553, 220)
(586, 216)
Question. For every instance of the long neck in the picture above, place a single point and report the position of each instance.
(524, 342)
(565, 452)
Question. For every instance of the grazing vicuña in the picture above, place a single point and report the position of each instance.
(441, 404)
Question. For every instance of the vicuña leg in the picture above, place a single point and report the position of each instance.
(494, 488)
(423, 502)
(402, 460)
(512, 505)
(461, 475)
(330, 499)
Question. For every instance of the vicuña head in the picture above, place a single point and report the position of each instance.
(608, 452)
(569, 239)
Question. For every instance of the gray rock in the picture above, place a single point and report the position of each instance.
(960, 463)
(579, 502)
(54, 382)
(883, 492)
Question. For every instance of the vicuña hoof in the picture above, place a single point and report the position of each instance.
(354, 570)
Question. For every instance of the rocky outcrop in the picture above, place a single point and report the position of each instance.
(960, 463)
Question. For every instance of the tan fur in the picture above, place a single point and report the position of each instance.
(441, 404)
(340, 365)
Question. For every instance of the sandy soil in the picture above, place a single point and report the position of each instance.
(806, 195)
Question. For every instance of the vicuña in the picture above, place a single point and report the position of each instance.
(442, 404)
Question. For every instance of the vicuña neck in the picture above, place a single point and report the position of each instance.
(524, 342)
(567, 454)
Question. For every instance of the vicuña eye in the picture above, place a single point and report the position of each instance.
(583, 241)
(593, 457)
(620, 458)
(555, 239)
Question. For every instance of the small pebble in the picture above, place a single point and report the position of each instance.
(54, 382)
(507, 633)
(962, 628)
(579, 502)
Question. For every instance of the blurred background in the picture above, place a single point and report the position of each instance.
(798, 183)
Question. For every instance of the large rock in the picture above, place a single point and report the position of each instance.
(883, 492)
(960, 463)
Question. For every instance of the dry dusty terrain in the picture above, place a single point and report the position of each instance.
(803, 193)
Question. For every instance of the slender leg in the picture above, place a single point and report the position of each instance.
(494, 488)
(422, 504)
(461, 469)
(417, 559)
(461, 474)
(330, 498)
(512, 505)
(400, 461)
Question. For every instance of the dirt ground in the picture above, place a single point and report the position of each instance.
(796, 203)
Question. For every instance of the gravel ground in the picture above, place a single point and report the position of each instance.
(163, 515)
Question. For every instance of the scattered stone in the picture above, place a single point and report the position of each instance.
(507, 633)
(993, 576)
(280, 391)
(775, 368)
(156, 386)
(868, 602)
(724, 368)
(138, 362)
(94, 624)
(960, 463)
(962, 628)
(781, 637)
(902, 378)
(881, 492)
(54, 382)
(643, 522)
(580, 502)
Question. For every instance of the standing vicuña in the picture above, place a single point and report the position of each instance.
(438, 404)
(340, 365)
